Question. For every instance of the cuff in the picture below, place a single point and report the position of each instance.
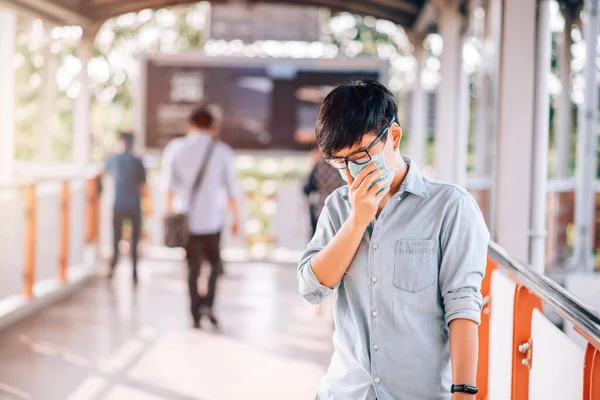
(310, 288)
(464, 305)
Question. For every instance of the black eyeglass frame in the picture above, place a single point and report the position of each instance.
(333, 161)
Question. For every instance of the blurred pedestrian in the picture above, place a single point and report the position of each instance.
(321, 182)
(200, 178)
(129, 177)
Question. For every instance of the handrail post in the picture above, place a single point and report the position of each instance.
(483, 363)
(591, 373)
(525, 303)
(93, 209)
(30, 194)
(64, 232)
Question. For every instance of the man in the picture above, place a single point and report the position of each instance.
(129, 177)
(404, 256)
(206, 213)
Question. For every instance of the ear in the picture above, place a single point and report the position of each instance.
(396, 134)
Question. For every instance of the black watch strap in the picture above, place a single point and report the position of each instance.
(468, 389)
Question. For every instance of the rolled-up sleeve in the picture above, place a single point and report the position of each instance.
(310, 288)
(464, 239)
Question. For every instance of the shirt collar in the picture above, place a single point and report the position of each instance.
(414, 181)
(197, 133)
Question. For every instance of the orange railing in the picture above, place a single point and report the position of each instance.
(29, 194)
(532, 291)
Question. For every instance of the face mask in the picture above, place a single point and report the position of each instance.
(379, 160)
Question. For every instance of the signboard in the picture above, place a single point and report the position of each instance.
(262, 108)
(250, 23)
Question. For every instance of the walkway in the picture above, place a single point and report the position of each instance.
(111, 343)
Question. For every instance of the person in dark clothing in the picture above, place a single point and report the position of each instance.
(310, 191)
(129, 177)
(322, 181)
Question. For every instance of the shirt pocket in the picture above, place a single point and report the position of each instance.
(415, 265)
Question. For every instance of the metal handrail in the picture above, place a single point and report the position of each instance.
(25, 183)
(584, 317)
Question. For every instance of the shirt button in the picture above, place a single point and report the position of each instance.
(375, 246)
(376, 346)
(374, 279)
(377, 380)
(374, 313)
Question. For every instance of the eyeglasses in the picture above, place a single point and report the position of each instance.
(360, 157)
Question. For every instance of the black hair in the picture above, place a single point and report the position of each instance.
(128, 139)
(351, 111)
(202, 118)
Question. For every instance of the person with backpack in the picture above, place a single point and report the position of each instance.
(129, 175)
(199, 176)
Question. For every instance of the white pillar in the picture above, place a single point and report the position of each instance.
(449, 155)
(585, 168)
(8, 27)
(48, 97)
(482, 128)
(541, 139)
(562, 133)
(515, 123)
(81, 117)
(418, 130)
(462, 138)
(483, 81)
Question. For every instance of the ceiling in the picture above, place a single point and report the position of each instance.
(95, 12)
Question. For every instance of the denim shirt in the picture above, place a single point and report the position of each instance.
(418, 267)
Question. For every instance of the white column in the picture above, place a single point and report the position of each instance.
(8, 27)
(48, 97)
(482, 127)
(81, 117)
(418, 130)
(585, 170)
(448, 155)
(541, 139)
(515, 123)
(564, 106)
(462, 137)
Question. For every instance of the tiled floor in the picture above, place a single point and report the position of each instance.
(109, 342)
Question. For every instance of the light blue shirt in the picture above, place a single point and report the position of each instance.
(181, 161)
(419, 266)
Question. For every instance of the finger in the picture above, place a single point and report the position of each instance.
(349, 177)
(363, 174)
(379, 187)
(382, 193)
(371, 178)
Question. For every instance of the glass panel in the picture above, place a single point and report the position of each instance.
(48, 231)
(78, 223)
(557, 362)
(12, 242)
(501, 327)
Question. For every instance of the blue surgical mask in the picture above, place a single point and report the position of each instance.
(379, 160)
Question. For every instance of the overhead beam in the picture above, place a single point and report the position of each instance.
(399, 5)
(425, 19)
(362, 7)
(104, 9)
(52, 11)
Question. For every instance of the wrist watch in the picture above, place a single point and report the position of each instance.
(468, 389)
